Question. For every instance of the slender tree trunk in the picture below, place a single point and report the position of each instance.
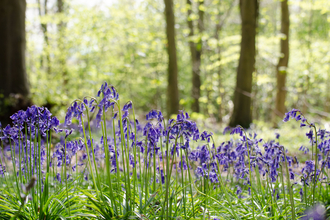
(220, 86)
(196, 79)
(242, 96)
(218, 29)
(281, 69)
(309, 57)
(44, 28)
(62, 57)
(14, 89)
(327, 103)
(196, 54)
(172, 87)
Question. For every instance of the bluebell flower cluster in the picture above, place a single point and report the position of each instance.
(35, 123)
(2, 170)
(296, 114)
(316, 212)
(75, 110)
(179, 140)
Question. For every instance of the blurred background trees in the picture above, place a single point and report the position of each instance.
(73, 46)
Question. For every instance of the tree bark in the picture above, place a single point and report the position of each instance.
(44, 28)
(327, 102)
(172, 87)
(14, 89)
(242, 96)
(281, 69)
(218, 29)
(309, 59)
(60, 42)
(196, 54)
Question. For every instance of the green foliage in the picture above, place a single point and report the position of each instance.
(125, 43)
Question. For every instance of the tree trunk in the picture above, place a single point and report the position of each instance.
(14, 89)
(327, 102)
(309, 59)
(60, 42)
(218, 29)
(242, 96)
(196, 54)
(44, 28)
(172, 87)
(281, 69)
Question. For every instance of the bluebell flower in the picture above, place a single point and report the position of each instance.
(2, 170)
(227, 129)
(238, 190)
(310, 135)
(295, 114)
(185, 146)
(316, 212)
(301, 193)
(277, 135)
(58, 177)
(68, 132)
(199, 171)
(183, 164)
(162, 176)
(213, 177)
(110, 96)
(237, 130)
(125, 114)
(127, 106)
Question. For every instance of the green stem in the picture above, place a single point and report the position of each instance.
(284, 194)
(88, 157)
(145, 179)
(183, 188)
(123, 154)
(191, 182)
(250, 170)
(66, 178)
(116, 156)
(316, 163)
(134, 152)
(289, 186)
(106, 150)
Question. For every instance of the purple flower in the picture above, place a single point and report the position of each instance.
(310, 135)
(127, 106)
(277, 135)
(68, 132)
(301, 193)
(199, 171)
(2, 170)
(58, 177)
(237, 130)
(294, 113)
(74, 110)
(154, 115)
(316, 212)
(213, 177)
(162, 176)
(227, 129)
(238, 190)
(110, 96)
